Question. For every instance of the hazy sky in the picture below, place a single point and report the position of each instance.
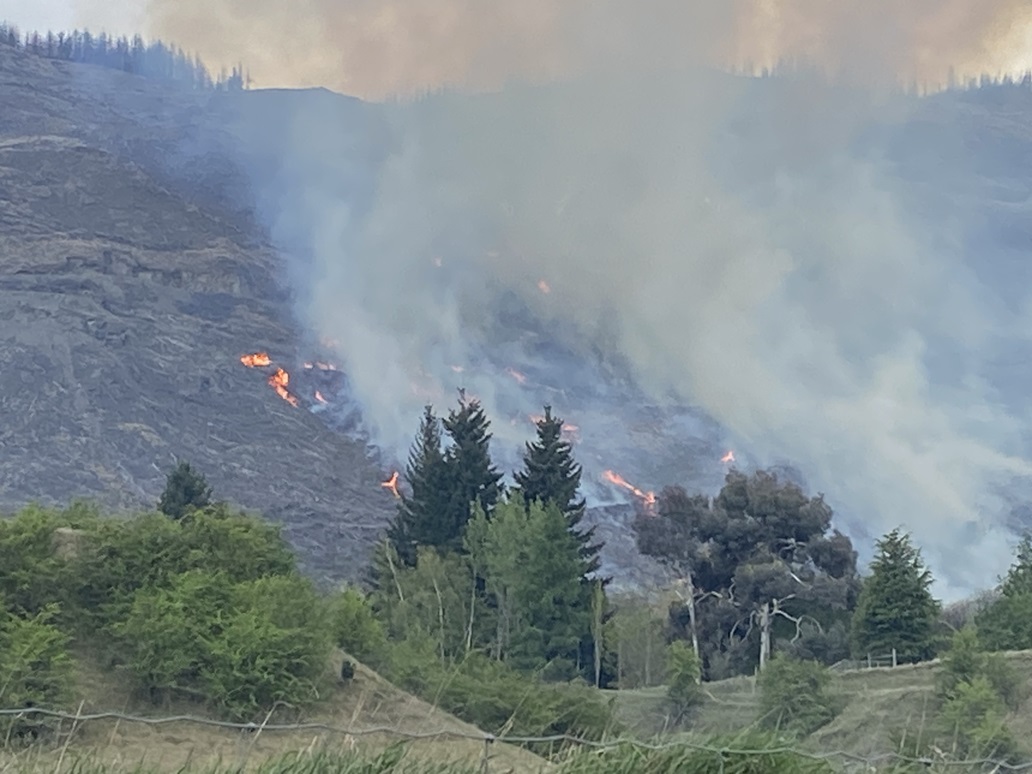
(116, 16)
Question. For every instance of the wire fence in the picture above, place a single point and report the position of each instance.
(867, 762)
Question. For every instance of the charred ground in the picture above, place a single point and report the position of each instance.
(129, 294)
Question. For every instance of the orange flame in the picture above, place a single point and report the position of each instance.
(279, 381)
(256, 360)
(392, 484)
(519, 377)
(320, 398)
(729, 457)
(544, 287)
(649, 498)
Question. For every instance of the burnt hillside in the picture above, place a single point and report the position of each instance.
(128, 295)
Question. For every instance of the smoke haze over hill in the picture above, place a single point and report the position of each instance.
(375, 48)
(811, 266)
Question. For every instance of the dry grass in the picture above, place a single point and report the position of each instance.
(879, 705)
(367, 702)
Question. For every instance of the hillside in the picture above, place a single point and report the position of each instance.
(368, 702)
(127, 304)
(879, 704)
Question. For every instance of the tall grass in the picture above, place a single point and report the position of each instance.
(624, 759)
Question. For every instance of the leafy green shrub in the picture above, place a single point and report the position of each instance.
(965, 661)
(31, 575)
(355, 627)
(35, 670)
(973, 720)
(242, 647)
(794, 696)
(492, 696)
(684, 673)
(123, 556)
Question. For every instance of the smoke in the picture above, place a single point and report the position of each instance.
(375, 48)
(749, 247)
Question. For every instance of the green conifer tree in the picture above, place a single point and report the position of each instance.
(551, 475)
(472, 477)
(896, 608)
(424, 513)
(185, 490)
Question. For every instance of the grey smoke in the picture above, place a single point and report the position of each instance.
(751, 248)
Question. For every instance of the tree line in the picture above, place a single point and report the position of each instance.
(155, 60)
(490, 600)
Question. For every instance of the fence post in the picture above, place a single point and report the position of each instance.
(893, 658)
(487, 754)
(868, 660)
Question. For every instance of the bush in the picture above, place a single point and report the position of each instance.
(123, 556)
(31, 575)
(35, 670)
(973, 720)
(241, 647)
(355, 627)
(794, 696)
(496, 698)
(684, 673)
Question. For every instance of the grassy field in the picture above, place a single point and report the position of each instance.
(368, 702)
(879, 704)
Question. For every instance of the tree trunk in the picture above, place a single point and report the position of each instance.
(598, 600)
(764, 635)
(472, 608)
(691, 622)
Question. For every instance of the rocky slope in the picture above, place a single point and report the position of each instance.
(126, 302)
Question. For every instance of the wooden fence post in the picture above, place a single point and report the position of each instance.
(893, 658)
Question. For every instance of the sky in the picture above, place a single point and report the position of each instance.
(115, 16)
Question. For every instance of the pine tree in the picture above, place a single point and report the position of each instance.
(424, 516)
(1006, 624)
(472, 476)
(551, 475)
(896, 608)
(185, 490)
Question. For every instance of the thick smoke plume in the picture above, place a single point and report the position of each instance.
(377, 48)
(739, 245)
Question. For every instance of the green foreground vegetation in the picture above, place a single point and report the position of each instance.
(486, 603)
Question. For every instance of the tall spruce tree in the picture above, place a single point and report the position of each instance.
(472, 477)
(424, 515)
(550, 475)
(896, 608)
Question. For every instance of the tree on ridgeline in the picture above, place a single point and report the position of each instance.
(185, 490)
(896, 609)
(759, 562)
(155, 60)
